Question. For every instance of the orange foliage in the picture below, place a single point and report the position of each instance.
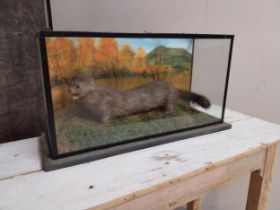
(125, 57)
(61, 57)
(52, 62)
(139, 64)
(64, 58)
(107, 53)
(85, 53)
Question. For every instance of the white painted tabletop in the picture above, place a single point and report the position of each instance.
(23, 185)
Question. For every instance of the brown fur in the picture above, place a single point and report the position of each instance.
(107, 103)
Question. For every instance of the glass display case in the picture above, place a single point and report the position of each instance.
(109, 93)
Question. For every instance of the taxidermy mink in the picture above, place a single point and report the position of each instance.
(107, 103)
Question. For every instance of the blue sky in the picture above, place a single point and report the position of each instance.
(149, 44)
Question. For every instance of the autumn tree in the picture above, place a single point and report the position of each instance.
(52, 61)
(139, 64)
(107, 55)
(85, 53)
(125, 58)
(61, 57)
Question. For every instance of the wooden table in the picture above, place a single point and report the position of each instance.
(158, 178)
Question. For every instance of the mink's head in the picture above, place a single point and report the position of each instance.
(80, 86)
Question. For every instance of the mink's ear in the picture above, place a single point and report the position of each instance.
(86, 77)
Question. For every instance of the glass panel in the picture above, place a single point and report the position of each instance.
(209, 72)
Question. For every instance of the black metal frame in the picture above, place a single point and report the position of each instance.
(48, 14)
(51, 136)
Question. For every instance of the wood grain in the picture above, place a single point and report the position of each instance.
(260, 181)
(176, 193)
(195, 204)
(179, 168)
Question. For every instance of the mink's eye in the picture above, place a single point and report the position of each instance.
(77, 86)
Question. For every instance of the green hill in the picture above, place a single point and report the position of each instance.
(178, 58)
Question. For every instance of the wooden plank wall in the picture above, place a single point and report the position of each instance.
(21, 105)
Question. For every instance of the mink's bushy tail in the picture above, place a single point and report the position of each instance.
(195, 98)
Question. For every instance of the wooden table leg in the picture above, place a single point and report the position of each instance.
(194, 205)
(260, 181)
